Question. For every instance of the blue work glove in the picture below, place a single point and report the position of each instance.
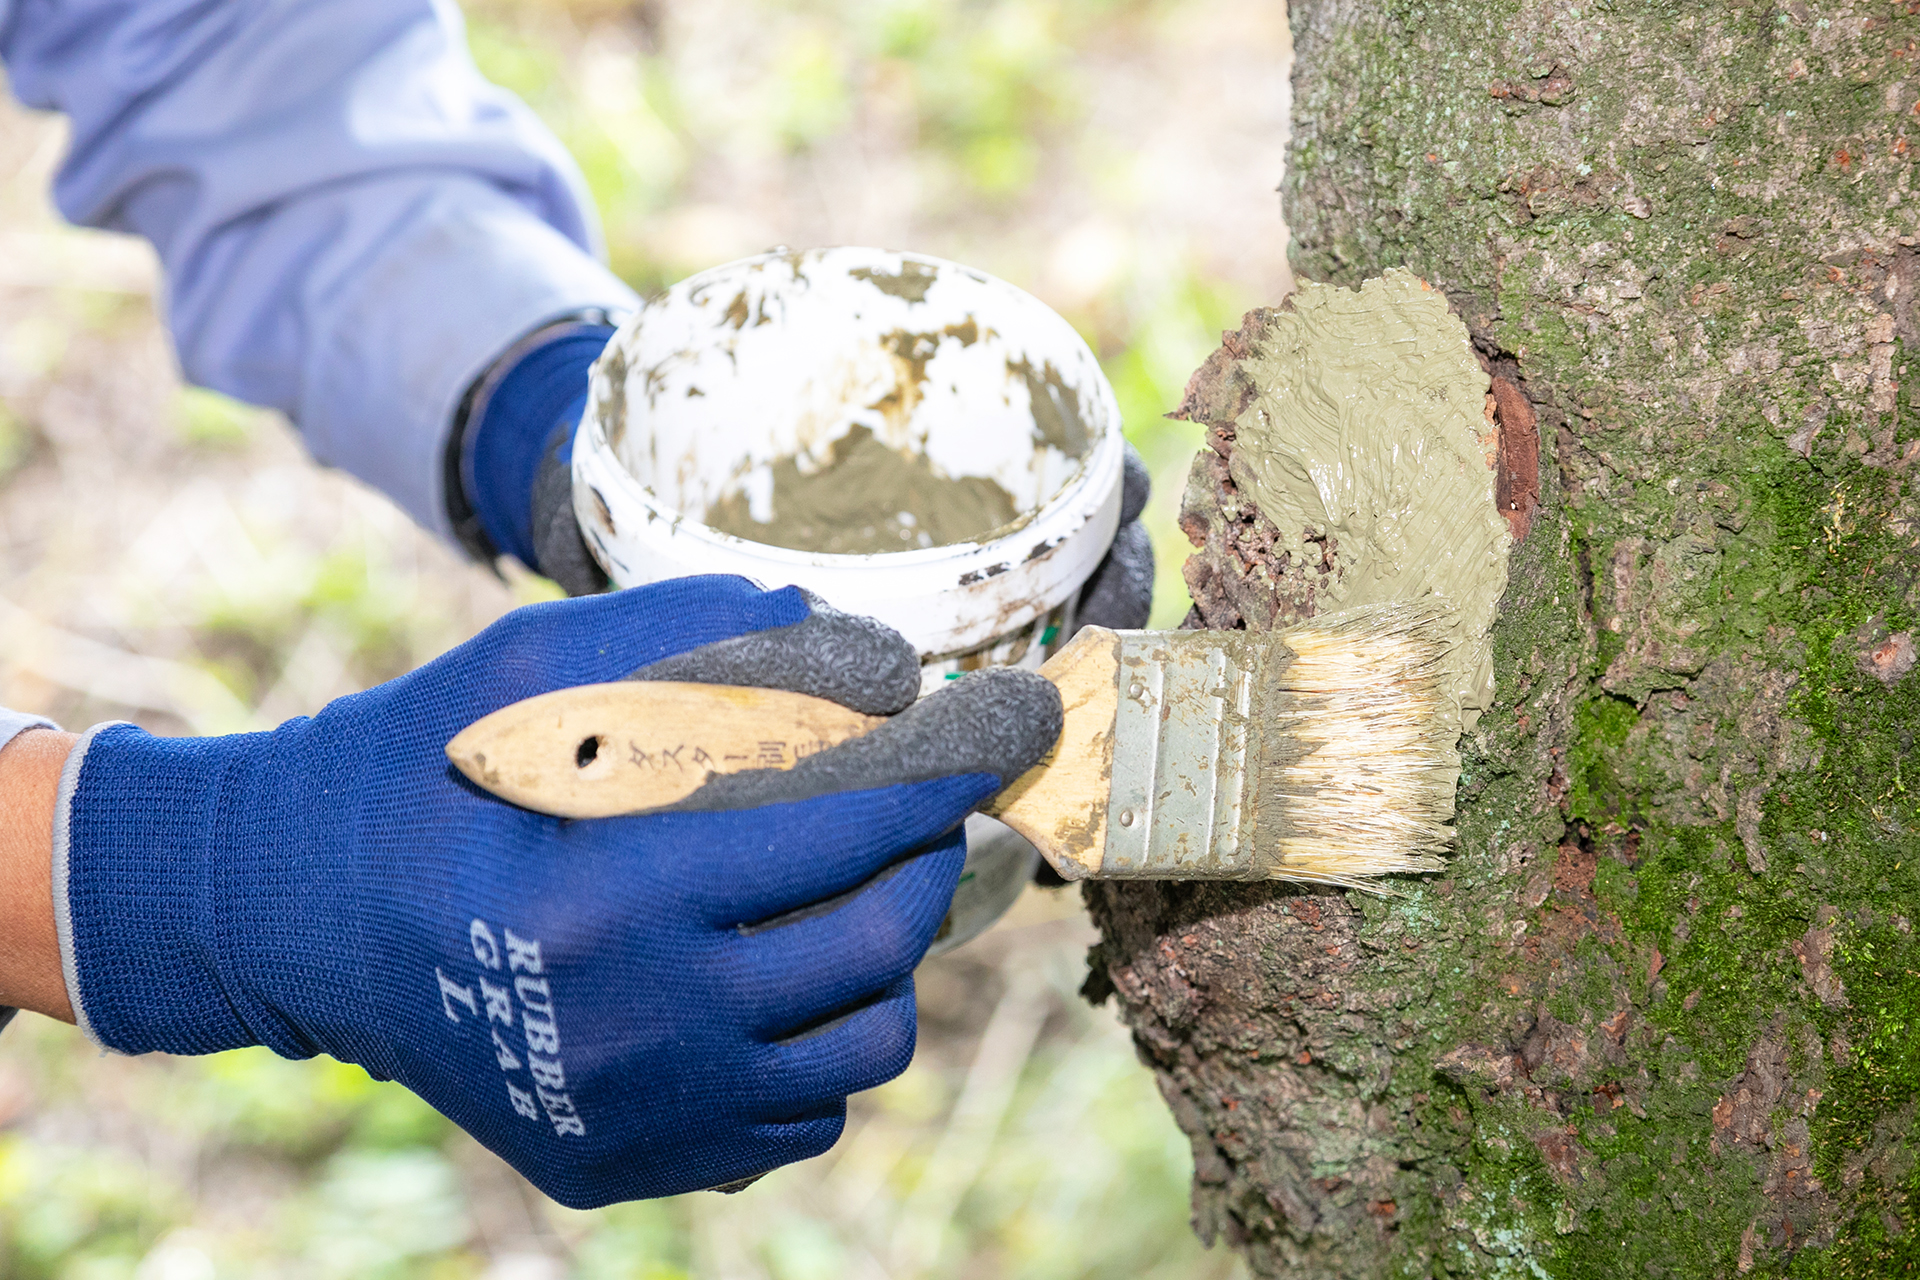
(510, 464)
(619, 1007)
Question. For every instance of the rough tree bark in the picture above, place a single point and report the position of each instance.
(1662, 1016)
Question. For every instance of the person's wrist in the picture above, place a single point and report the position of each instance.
(30, 972)
(505, 425)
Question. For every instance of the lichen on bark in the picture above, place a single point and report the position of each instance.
(1662, 1015)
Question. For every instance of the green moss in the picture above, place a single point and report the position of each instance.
(1839, 833)
(1724, 756)
(1878, 1083)
(1866, 1250)
(1736, 949)
(1602, 726)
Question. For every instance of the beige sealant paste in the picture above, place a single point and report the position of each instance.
(868, 496)
(1371, 430)
(867, 499)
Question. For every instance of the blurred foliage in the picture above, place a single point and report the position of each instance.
(277, 601)
(77, 1211)
(214, 421)
(16, 442)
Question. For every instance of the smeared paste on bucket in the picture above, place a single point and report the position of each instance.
(1370, 432)
(866, 499)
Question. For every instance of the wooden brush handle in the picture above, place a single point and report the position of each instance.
(597, 750)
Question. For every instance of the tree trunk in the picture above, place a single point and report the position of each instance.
(1662, 1015)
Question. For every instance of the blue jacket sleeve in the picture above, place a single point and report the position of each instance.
(352, 221)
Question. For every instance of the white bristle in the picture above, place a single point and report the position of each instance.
(1360, 762)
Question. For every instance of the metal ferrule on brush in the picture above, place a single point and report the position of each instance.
(1320, 754)
(1179, 756)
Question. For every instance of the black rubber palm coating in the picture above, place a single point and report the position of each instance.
(1000, 720)
(854, 661)
(1120, 592)
(1136, 485)
(557, 541)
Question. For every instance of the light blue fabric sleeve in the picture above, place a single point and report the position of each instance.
(15, 723)
(353, 222)
(12, 725)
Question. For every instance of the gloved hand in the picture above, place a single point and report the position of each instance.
(510, 472)
(1120, 592)
(621, 1007)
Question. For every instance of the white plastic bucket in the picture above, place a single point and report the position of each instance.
(780, 356)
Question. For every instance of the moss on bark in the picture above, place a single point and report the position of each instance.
(1662, 1017)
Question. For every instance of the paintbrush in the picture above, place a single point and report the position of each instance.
(1322, 753)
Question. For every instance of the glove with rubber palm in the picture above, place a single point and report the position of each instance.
(621, 1007)
(510, 461)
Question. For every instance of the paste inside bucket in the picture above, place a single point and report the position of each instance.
(865, 500)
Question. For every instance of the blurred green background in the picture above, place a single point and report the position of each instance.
(172, 558)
